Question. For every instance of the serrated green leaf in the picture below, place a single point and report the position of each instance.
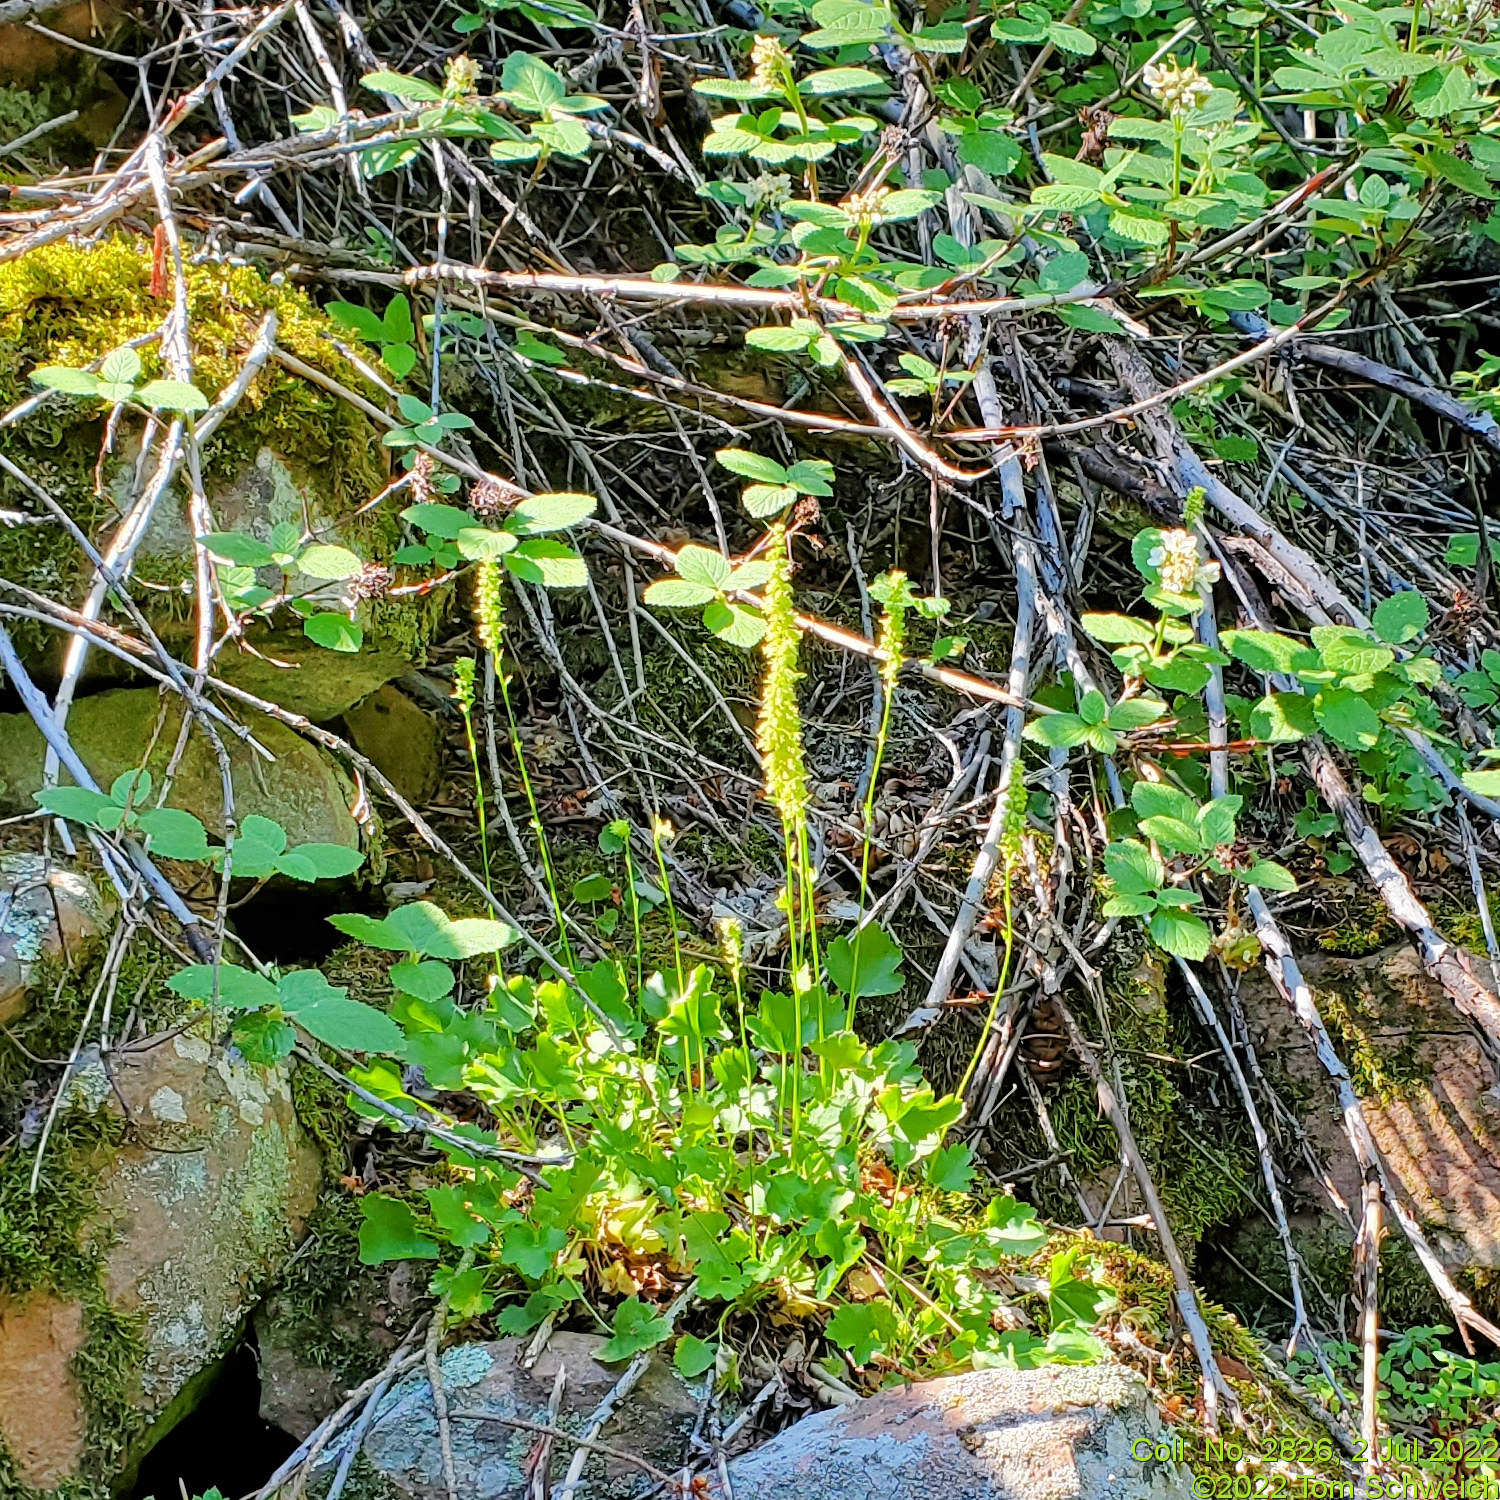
(694, 1356)
(120, 367)
(390, 1232)
(1347, 718)
(427, 979)
(409, 90)
(1133, 868)
(334, 632)
(1263, 650)
(172, 395)
(317, 861)
(1116, 630)
(1401, 618)
(324, 561)
(637, 1327)
(67, 380)
(174, 834)
(869, 963)
(864, 1329)
(734, 623)
(1180, 933)
(673, 593)
(358, 320)
(239, 989)
(79, 805)
(542, 513)
(237, 548)
(1268, 876)
(350, 1025)
(554, 565)
(752, 465)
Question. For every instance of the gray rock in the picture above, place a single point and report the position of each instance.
(488, 1458)
(404, 741)
(201, 1209)
(302, 788)
(46, 911)
(1431, 1097)
(1063, 1432)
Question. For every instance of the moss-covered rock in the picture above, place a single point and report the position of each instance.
(288, 445)
(46, 912)
(192, 1215)
(1429, 1094)
(320, 685)
(301, 789)
(401, 739)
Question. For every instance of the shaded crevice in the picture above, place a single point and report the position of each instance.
(223, 1442)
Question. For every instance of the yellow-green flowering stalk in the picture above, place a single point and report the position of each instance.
(1012, 835)
(779, 740)
(463, 695)
(489, 622)
(662, 832)
(489, 625)
(895, 596)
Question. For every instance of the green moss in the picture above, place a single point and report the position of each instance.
(320, 1308)
(1362, 928)
(24, 109)
(365, 1482)
(46, 1239)
(63, 305)
(1200, 1152)
(1378, 1072)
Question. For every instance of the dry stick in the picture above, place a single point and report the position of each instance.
(540, 1487)
(362, 1425)
(1218, 736)
(1478, 424)
(435, 1381)
(620, 1390)
(987, 860)
(402, 1360)
(1286, 974)
(642, 289)
(1448, 965)
(1303, 570)
(130, 183)
(1215, 1385)
(117, 561)
(557, 1433)
(890, 422)
(40, 710)
(824, 630)
(1210, 1015)
(1481, 899)
(1367, 1258)
(417, 1124)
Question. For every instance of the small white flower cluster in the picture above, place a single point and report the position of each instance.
(1180, 90)
(866, 205)
(1179, 564)
(1471, 17)
(768, 60)
(768, 191)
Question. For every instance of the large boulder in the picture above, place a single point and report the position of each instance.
(489, 1459)
(1063, 1432)
(47, 911)
(302, 788)
(403, 740)
(289, 670)
(1428, 1090)
(197, 1212)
